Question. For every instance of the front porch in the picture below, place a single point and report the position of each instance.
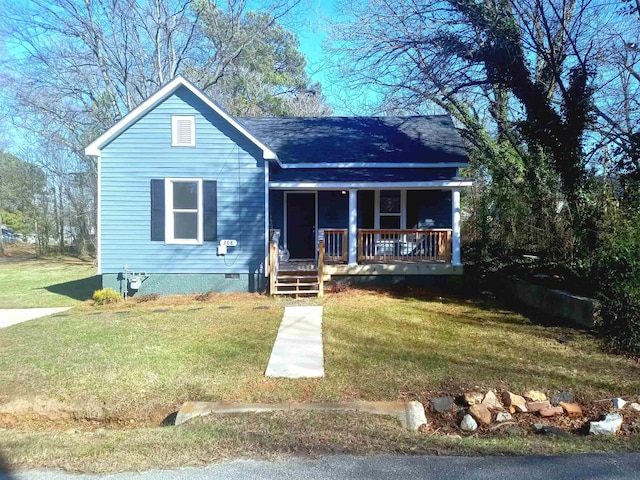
(369, 226)
(361, 232)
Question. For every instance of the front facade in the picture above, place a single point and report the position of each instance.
(190, 197)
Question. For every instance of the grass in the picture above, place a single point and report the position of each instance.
(86, 389)
(53, 282)
(266, 436)
(143, 360)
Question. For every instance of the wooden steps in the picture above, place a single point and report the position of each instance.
(296, 282)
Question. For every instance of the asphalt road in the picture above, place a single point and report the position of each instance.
(569, 467)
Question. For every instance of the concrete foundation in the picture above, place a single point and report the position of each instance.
(183, 283)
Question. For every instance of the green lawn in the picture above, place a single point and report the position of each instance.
(57, 282)
(128, 366)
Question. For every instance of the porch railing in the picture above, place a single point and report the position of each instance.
(335, 245)
(397, 246)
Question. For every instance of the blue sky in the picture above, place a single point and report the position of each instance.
(309, 23)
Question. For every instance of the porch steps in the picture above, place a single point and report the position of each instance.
(297, 282)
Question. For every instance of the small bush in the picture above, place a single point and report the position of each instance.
(106, 296)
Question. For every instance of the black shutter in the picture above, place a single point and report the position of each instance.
(157, 210)
(210, 204)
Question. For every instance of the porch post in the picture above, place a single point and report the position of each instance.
(455, 226)
(353, 227)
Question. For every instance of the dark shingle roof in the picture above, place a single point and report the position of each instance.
(432, 139)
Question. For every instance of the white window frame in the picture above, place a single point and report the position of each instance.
(169, 211)
(403, 209)
(174, 130)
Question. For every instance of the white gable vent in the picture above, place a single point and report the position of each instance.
(183, 131)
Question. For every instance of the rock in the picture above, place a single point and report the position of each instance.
(480, 413)
(503, 417)
(551, 412)
(468, 424)
(571, 409)
(441, 404)
(472, 398)
(549, 430)
(566, 397)
(516, 403)
(634, 406)
(535, 396)
(618, 403)
(537, 406)
(609, 426)
(491, 401)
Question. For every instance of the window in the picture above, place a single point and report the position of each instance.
(390, 211)
(183, 131)
(183, 210)
(183, 202)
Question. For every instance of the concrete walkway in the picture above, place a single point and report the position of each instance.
(11, 316)
(298, 352)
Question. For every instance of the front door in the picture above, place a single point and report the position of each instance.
(301, 225)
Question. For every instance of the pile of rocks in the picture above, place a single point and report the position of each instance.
(508, 412)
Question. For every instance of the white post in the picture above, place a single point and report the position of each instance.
(455, 225)
(353, 227)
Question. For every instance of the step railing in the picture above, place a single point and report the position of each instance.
(274, 259)
(321, 253)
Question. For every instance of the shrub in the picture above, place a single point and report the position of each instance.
(106, 296)
(617, 272)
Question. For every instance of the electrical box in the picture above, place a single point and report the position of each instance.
(134, 283)
(222, 249)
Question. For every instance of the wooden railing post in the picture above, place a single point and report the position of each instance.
(321, 268)
(273, 272)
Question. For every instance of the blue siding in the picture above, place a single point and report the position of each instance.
(144, 152)
(429, 208)
(276, 210)
(333, 209)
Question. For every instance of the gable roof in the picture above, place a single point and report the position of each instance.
(149, 104)
(362, 142)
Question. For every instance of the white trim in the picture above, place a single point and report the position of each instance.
(169, 211)
(286, 220)
(174, 130)
(99, 218)
(150, 103)
(353, 227)
(376, 209)
(266, 219)
(375, 165)
(455, 227)
(403, 209)
(435, 184)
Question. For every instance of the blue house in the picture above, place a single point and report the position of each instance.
(191, 199)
